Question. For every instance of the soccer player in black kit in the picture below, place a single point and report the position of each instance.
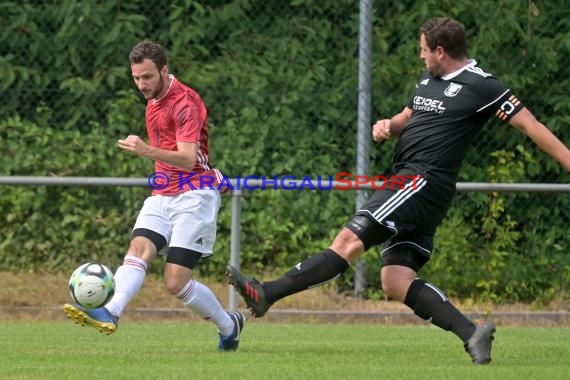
(451, 103)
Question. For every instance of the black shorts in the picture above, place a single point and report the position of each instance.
(411, 205)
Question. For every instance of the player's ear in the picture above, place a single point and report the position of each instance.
(439, 51)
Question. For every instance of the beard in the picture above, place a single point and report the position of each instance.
(435, 71)
(158, 88)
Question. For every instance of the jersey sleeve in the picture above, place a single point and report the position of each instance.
(500, 100)
(188, 119)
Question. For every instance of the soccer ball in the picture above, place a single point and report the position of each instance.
(92, 285)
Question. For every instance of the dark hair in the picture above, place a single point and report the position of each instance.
(147, 49)
(447, 33)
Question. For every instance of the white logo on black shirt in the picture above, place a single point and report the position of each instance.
(452, 90)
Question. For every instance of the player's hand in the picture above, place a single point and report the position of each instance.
(134, 144)
(381, 130)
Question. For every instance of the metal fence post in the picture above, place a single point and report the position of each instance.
(235, 243)
(363, 135)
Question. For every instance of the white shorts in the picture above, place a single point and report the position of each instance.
(186, 220)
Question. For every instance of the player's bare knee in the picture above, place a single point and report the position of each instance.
(178, 268)
(389, 287)
(396, 280)
(173, 285)
(394, 290)
(176, 278)
(347, 245)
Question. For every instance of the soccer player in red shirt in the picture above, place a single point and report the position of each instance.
(179, 218)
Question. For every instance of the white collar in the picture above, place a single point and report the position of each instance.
(470, 63)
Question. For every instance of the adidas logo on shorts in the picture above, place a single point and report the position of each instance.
(198, 241)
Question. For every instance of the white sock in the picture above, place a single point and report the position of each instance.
(200, 299)
(128, 281)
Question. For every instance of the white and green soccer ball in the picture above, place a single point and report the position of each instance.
(92, 285)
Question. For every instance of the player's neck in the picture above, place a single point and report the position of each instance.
(455, 64)
(165, 88)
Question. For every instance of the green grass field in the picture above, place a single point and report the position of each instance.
(178, 350)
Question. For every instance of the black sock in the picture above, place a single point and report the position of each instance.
(429, 303)
(316, 270)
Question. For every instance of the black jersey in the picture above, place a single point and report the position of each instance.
(447, 113)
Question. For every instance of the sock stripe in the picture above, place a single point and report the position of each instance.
(135, 262)
(184, 293)
(437, 290)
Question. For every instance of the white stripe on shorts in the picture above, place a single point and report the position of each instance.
(398, 199)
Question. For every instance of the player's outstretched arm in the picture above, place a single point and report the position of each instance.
(525, 121)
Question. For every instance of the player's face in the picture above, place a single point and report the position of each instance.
(430, 58)
(149, 79)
